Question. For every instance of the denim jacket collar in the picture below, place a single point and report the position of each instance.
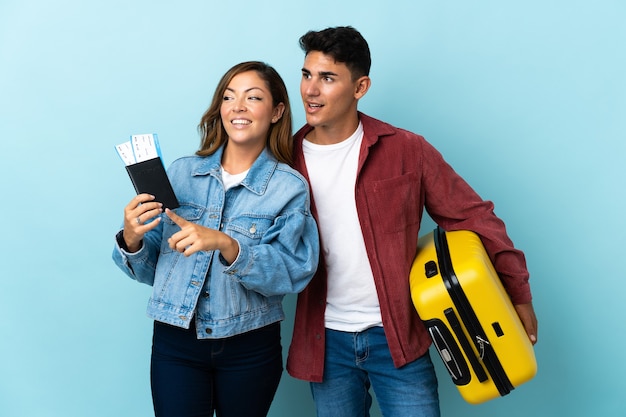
(258, 177)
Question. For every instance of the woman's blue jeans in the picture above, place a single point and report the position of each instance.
(356, 361)
(236, 376)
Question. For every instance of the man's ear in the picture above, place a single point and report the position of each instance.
(362, 86)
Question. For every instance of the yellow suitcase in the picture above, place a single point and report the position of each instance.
(469, 316)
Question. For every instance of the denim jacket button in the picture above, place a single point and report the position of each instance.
(183, 317)
(208, 330)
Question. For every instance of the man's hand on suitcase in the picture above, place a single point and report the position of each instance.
(526, 313)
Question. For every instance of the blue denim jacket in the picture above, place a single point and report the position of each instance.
(269, 216)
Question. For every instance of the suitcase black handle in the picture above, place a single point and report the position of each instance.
(455, 324)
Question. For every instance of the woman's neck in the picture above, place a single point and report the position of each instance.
(237, 159)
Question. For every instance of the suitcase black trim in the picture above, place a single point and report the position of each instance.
(469, 319)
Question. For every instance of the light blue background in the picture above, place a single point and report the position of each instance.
(526, 99)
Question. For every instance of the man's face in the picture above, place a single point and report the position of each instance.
(328, 92)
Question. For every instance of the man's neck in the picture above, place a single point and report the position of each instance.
(329, 135)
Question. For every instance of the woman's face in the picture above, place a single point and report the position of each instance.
(247, 110)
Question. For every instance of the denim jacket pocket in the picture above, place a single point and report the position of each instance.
(248, 229)
(188, 212)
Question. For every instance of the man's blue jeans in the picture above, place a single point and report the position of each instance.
(356, 361)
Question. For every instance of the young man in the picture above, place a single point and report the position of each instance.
(355, 324)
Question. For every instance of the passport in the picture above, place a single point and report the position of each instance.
(150, 177)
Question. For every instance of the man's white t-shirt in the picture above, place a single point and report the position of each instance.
(352, 301)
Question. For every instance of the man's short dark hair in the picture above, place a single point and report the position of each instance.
(344, 43)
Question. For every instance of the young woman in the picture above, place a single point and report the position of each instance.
(220, 264)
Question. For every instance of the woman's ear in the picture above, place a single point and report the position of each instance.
(278, 112)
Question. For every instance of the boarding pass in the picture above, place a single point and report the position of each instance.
(139, 148)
